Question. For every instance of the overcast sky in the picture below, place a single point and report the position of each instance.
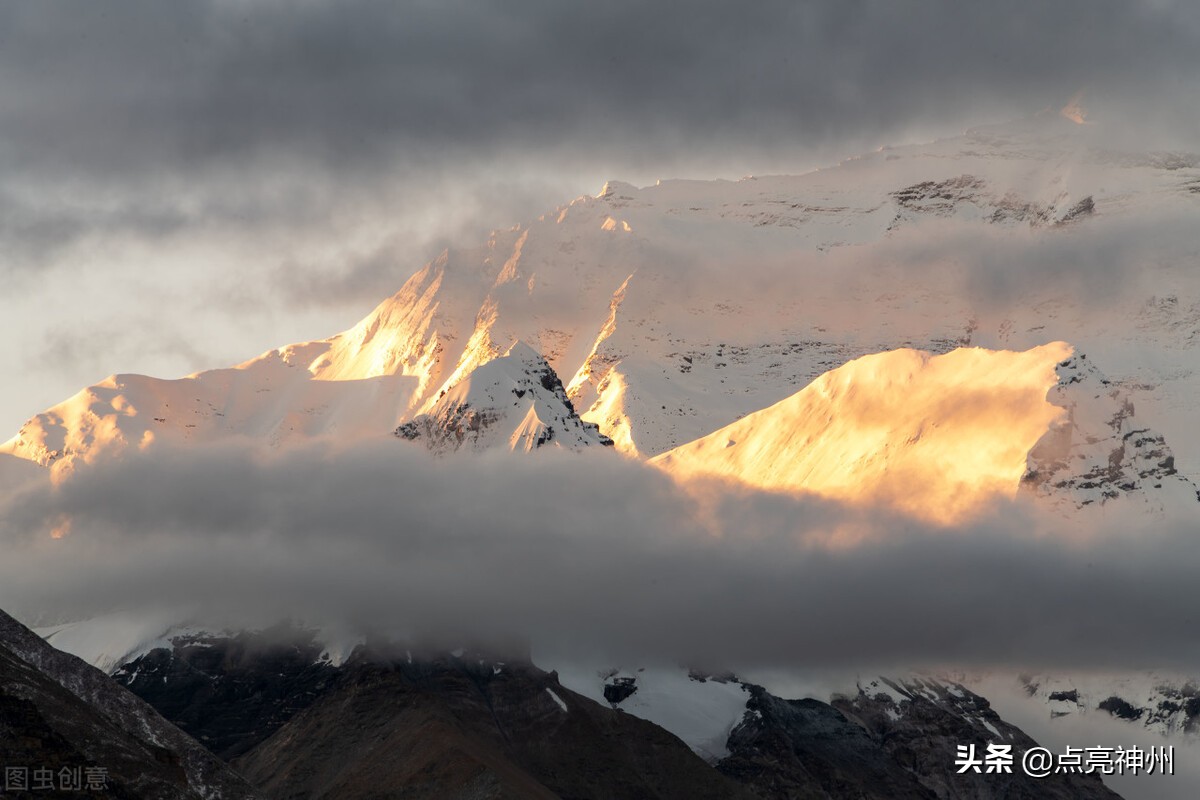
(186, 184)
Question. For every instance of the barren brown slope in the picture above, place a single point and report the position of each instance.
(453, 729)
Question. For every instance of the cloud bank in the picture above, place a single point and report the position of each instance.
(596, 556)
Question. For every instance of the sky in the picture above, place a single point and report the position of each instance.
(188, 184)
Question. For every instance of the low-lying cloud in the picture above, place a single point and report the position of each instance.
(595, 554)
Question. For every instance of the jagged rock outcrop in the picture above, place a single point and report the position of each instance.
(515, 402)
(1099, 451)
(969, 195)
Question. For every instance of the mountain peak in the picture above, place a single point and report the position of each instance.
(521, 351)
(515, 402)
(616, 189)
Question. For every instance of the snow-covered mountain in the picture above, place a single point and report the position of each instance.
(939, 435)
(515, 401)
(851, 741)
(272, 399)
(275, 705)
(1166, 704)
(673, 310)
(929, 434)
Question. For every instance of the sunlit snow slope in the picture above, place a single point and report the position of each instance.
(933, 435)
(271, 399)
(941, 437)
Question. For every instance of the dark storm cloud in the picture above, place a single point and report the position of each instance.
(585, 553)
(140, 119)
(125, 87)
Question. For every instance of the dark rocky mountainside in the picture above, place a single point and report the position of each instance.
(457, 728)
(390, 722)
(919, 722)
(231, 692)
(806, 749)
(66, 725)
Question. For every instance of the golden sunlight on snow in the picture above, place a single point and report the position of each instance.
(583, 376)
(609, 413)
(611, 224)
(938, 437)
(397, 338)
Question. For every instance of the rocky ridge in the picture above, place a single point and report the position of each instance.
(1100, 451)
(515, 402)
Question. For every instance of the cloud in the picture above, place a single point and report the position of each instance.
(72, 348)
(586, 554)
(139, 98)
(139, 85)
(421, 224)
(996, 269)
